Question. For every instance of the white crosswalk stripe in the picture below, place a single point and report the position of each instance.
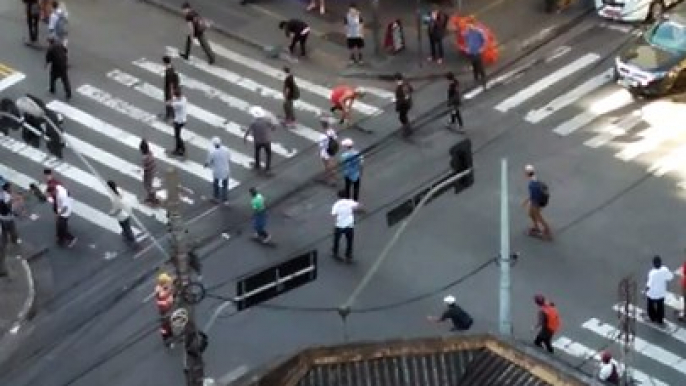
(111, 114)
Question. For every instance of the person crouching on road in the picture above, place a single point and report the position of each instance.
(121, 210)
(609, 371)
(461, 319)
(548, 323)
(298, 31)
(164, 298)
(342, 99)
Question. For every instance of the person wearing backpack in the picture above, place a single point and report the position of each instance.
(328, 148)
(197, 26)
(536, 200)
(548, 323)
(58, 25)
(291, 93)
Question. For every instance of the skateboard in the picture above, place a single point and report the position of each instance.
(538, 234)
(259, 240)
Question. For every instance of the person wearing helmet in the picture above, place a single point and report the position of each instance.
(342, 99)
(609, 369)
(461, 319)
(164, 298)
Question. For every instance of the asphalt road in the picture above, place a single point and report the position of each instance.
(611, 210)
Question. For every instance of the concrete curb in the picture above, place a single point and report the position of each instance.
(28, 309)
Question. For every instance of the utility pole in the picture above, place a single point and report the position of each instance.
(193, 362)
(627, 313)
(505, 256)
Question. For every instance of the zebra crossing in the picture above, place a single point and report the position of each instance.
(659, 351)
(112, 112)
(578, 98)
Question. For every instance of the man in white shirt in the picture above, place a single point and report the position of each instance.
(179, 105)
(656, 290)
(218, 159)
(343, 210)
(64, 207)
(57, 23)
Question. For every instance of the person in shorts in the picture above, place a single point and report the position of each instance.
(342, 99)
(354, 32)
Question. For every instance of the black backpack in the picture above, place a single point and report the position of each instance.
(545, 194)
(332, 146)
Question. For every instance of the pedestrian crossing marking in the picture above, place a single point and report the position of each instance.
(78, 175)
(241, 81)
(10, 80)
(670, 328)
(611, 102)
(528, 92)
(137, 114)
(193, 110)
(651, 139)
(569, 97)
(611, 131)
(80, 209)
(131, 141)
(580, 351)
(304, 84)
(641, 346)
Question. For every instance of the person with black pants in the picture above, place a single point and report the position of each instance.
(656, 291)
(56, 58)
(290, 94)
(179, 104)
(32, 19)
(454, 100)
(196, 29)
(475, 41)
(343, 211)
(171, 83)
(298, 31)
(438, 24)
(403, 102)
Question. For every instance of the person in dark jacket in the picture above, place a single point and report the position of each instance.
(56, 58)
(171, 83)
(298, 31)
(290, 94)
(403, 101)
(454, 100)
(196, 30)
(438, 24)
(32, 19)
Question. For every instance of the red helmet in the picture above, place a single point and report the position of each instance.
(605, 356)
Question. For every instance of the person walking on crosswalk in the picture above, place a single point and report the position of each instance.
(259, 216)
(56, 58)
(548, 323)
(171, 83)
(63, 203)
(351, 162)
(149, 172)
(291, 93)
(656, 291)
(261, 130)
(454, 100)
(121, 210)
(32, 19)
(197, 26)
(180, 106)
(218, 158)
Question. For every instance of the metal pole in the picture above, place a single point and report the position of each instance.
(193, 364)
(420, 22)
(505, 256)
(376, 27)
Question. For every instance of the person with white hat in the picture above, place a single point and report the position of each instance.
(461, 319)
(261, 129)
(351, 163)
(218, 158)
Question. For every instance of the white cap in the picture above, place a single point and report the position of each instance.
(347, 142)
(257, 112)
(529, 168)
(361, 91)
(450, 299)
(216, 141)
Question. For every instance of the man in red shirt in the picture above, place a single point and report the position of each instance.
(342, 98)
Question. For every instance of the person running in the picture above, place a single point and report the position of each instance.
(342, 99)
(121, 210)
(548, 323)
(259, 213)
(536, 200)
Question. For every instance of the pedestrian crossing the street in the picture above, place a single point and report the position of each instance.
(658, 357)
(109, 115)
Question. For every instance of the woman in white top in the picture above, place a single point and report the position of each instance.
(328, 147)
(121, 210)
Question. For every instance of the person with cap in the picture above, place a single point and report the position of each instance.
(164, 299)
(536, 200)
(259, 216)
(180, 106)
(609, 370)
(548, 323)
(403, 101)
(261, 131)
(461, 320)
(56, 59)
(656, 290)
(351, 161)
(343, 210)
(328, 149)
(218, 158)
(342, 99)
(298, 31)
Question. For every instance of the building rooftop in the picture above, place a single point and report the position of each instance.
(464, 360)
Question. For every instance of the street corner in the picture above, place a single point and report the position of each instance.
(9, 76)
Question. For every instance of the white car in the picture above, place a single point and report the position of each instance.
(633, 10)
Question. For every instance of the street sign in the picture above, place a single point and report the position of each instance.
(268, 283)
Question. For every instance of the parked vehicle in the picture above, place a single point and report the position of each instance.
(633, 10)
(654, 62)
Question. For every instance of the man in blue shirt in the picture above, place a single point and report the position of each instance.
(475, 42)
(535, 202)
(351, 163)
